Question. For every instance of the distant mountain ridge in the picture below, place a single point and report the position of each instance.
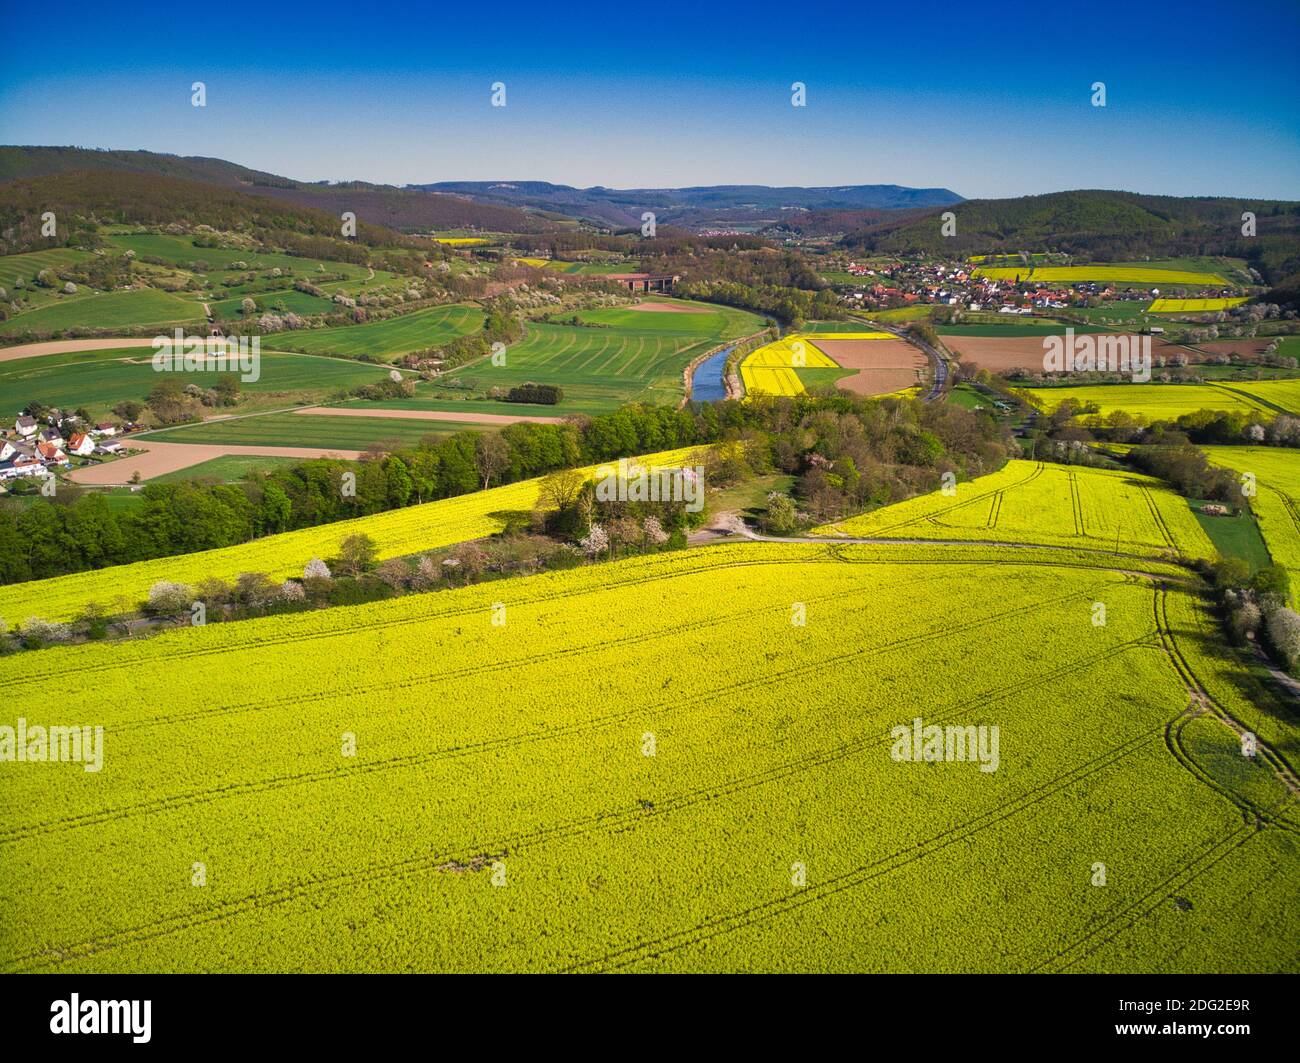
(397, 208)
(696, 206)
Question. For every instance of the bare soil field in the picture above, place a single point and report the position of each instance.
(883, 366)
(32, 350)
(667, 308)
(1000, 353)
(161, 458)
(1239, 348)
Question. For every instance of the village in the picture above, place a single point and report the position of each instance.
(901, 284)
(35, 448)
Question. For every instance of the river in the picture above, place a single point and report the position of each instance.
(707, 384)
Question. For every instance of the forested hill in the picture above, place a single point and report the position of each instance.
(1100, 226)
(83, 201)
(400, 208)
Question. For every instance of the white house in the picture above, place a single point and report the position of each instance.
(81, 444)
(25, 425)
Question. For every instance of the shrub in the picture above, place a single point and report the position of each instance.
(169, 599)
(38, 633)
(1284, 636)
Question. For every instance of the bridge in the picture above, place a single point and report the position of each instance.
(644, 282)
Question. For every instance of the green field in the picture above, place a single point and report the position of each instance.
(1236, 535)
(311, 430)
(392, 337)
(1022, 327)
(181, 252)
(1276, 472)
(100, 379)
(228, 469)
(501, 812)
(292, 301)
(137, 308)
(27, 265)
(629, 356)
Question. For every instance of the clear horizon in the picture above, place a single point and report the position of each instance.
(979, 105)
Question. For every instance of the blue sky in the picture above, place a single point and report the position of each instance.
(1202, 99)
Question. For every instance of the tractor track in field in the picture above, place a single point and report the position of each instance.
(602, 821)
(827, 543)
(1216, 852)
(167, 803)
(742, 918)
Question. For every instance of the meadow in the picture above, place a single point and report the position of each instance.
(580, 788)
(394, 336)
(181, 252)
(1276, 504)
(310, 430)
(140, 307)
(1059, 505)
(98, 380)
(615, 356)
(396, 533)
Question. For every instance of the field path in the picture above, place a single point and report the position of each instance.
(161, 458)
(431, 415)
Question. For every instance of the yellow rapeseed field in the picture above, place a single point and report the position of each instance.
(770, 369)
(649, 766)
(1191, 306)
(397, 533)
(1129, 274)
(1028, 502)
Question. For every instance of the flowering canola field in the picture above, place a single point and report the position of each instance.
(1186, 306)
(1130, 274)
(771, 369)
(1158, 402)
(397, 533)
(649, 767)
(1029, 502)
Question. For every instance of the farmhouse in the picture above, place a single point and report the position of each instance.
(25, 425)
(81, 444)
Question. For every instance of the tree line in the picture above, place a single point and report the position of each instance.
(846, 451)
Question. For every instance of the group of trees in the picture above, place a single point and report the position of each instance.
(845, 450)
(790, 306)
